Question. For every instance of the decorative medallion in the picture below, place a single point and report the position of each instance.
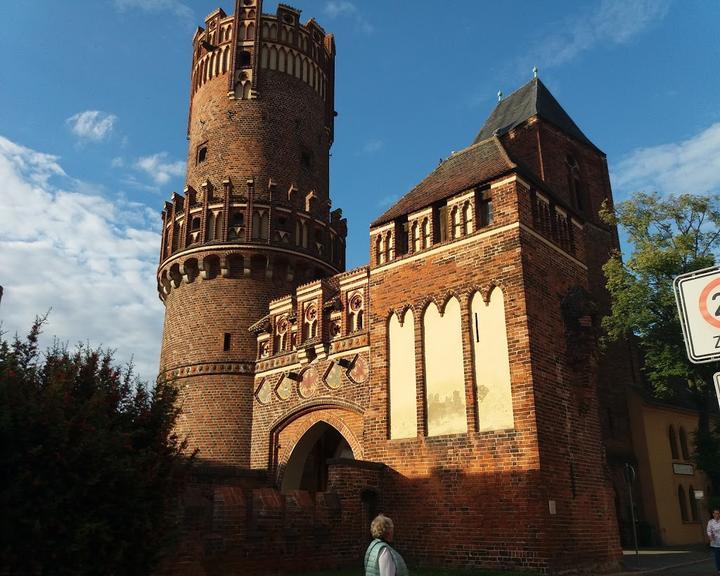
(308, 383)
(264, 392)
(335, 328)
(333, 376)
(310, 313)
(359, 371)
(282, 325)
(356, 302)
(284, 387)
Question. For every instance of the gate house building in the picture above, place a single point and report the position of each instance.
(454, 382)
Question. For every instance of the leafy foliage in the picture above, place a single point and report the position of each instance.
(669, 235)
(90, 463)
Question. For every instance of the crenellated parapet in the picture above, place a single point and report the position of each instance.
(218, 218)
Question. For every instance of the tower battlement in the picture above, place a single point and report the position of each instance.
(277, 42)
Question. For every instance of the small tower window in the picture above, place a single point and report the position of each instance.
(306, 159)
(202, 154)
(195, 223)
(244, 59)
(227, 340)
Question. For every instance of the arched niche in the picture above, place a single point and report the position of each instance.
(492, 362)
(402, 377)
(444, 370)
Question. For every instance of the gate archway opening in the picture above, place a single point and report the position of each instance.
(307, 468)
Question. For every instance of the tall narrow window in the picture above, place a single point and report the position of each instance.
(683, 504)
(456, 222)
(310, 321)
(683, 444)
(575, 183)
(441, 224)
(380, 256)
(401, 238)
(467, 218)
(426, 239)
(693, 504)
(673, 442)
(483, 201)
(227, 341)
(389, 247)
(415, 233)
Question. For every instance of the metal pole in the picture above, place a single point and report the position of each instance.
(630, 477)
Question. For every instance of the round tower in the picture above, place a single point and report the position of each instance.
(254, 221)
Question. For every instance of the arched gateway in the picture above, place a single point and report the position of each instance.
(307, 467)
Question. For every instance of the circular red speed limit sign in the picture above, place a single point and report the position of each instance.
(710, 303)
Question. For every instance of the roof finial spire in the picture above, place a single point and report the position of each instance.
(535, 72)
(500, 95)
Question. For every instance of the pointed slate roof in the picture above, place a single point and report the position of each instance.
(474, 165)
(530, 100)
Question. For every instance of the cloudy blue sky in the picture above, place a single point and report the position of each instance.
(93, 111)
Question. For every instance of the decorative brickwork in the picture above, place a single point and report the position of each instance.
(486, 276)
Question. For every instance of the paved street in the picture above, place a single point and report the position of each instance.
(668, 562)
(703, 569)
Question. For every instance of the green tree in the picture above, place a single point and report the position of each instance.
(90, 464)
(668, 235)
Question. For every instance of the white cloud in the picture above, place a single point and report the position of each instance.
(372, 146)
(117, 162)
(90, 259)
(691, 165)
(344, 8)
(92, 124)
(613, 22)
(176, 7)
(159, 168)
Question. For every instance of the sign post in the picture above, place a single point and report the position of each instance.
(630, 476)
(698, 300)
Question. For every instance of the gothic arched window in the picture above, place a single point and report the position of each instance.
(684, 444)
(672, 439)
(575, 185)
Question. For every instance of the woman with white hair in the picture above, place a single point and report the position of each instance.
(381, 559)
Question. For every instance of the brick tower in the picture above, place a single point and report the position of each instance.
(254, 221)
